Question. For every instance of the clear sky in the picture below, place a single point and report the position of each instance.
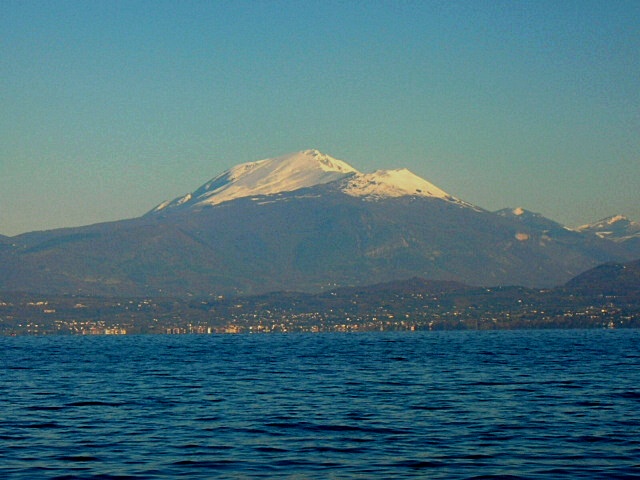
(107, 108)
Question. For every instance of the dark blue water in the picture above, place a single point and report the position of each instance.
(528, 404)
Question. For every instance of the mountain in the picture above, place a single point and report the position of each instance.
(305, 222)
(264, 177)
(617, 228)
(532, 220)
(609, 279)
(299, 170)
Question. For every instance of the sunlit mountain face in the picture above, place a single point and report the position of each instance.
(299, 170)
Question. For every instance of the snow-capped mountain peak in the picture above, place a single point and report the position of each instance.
(285, 173)
(615, 227)
(307, 168)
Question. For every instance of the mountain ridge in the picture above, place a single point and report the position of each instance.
(314, 237)
(615, 227)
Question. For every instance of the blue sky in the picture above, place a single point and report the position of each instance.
(110, 107)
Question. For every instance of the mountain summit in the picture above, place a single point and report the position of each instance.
(304, 169)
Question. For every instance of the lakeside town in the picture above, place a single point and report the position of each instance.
(402, 306)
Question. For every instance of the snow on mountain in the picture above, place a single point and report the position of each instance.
(615, 227)
(266, 177)
(533, 221)
(528, 217)
(393, 183)
(390, 183)
(304, 169)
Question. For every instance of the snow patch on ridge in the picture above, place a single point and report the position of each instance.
(615, 227)
(391, 183)
(605, 222)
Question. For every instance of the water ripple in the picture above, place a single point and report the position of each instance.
(475, 405)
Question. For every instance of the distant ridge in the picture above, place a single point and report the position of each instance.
(616, 228)
(609, 279)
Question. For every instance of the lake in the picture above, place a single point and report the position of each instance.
(475, 404)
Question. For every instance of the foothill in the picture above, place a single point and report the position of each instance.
(410, 305)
